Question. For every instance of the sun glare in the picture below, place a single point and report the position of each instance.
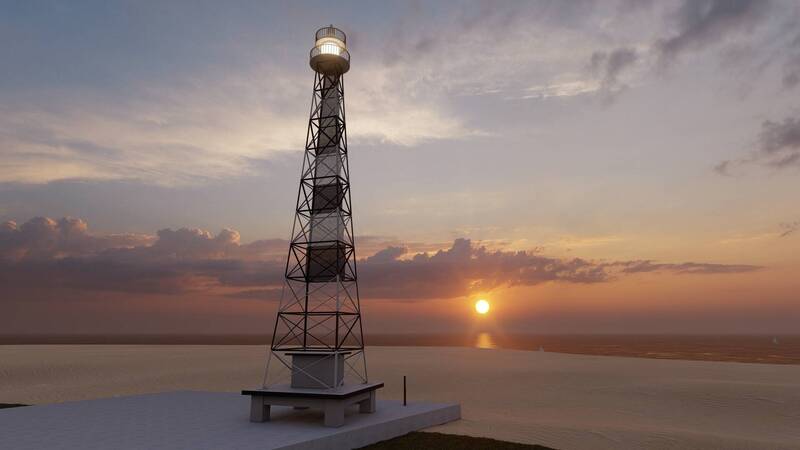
(482, 306)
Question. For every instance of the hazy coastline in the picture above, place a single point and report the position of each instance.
(754, 348)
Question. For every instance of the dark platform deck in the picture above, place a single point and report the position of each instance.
(343, 392)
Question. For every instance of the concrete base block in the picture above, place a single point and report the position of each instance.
(334, 414)
(367, 406)
(259, 411)
(333, 402)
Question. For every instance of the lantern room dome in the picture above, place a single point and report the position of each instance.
(329, 55)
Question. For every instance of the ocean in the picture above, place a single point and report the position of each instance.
(781, 349)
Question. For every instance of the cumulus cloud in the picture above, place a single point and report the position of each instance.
(45, 253)
(387, 255)
(465, 268)
(45, 238)
(63, 254)
(195, 243)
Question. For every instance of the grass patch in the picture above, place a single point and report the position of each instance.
(440, 441)
(10, 405)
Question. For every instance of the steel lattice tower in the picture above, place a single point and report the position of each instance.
(318, 323)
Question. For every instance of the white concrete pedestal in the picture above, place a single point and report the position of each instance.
(332, 402)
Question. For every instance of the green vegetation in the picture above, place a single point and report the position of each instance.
(439, 441)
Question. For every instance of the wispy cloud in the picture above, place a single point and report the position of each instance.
(204, 129)
(789, 228)
(777, 147)
(791, 68)
(701, 23)
(166, 135)
(724, 167)
(211, 119)
(687, 268)
(608, 68)
(780, 142)
(565, 89)
(218, 122)
(382, 111)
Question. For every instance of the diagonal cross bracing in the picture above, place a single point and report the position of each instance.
(320, 308)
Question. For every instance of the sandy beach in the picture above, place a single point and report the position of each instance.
(559, 400)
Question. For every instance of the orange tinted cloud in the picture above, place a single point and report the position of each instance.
(63, 254)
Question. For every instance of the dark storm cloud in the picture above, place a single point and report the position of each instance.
(48, 254)
(700, 23)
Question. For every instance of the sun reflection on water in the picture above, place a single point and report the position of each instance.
(484, 340)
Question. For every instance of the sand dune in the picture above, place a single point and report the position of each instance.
(559, 400)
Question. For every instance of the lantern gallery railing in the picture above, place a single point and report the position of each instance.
(331, 32)
(330, 49)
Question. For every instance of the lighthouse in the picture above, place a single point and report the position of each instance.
(318, 335)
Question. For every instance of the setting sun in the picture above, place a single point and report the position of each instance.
(482, 306)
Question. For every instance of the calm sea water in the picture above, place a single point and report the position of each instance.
(783, 349)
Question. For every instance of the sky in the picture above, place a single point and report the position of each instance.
(587, 166)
